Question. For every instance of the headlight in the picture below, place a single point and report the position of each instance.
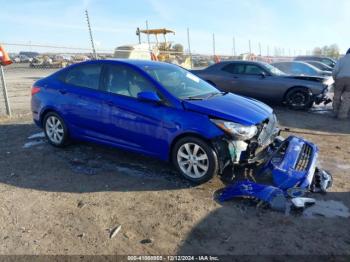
(239, 132)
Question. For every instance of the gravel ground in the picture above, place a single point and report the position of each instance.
(67, 201)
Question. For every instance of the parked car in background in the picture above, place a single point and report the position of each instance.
(28, 54)
(22, 59)
(157, 109)
(321, 66)
(265, 82)
(300, 69)
(326, 60)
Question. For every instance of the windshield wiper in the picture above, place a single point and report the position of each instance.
(216, 94)
(193, 98)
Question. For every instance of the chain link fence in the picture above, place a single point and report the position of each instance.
(38, 61)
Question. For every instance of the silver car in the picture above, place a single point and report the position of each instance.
(301, 68)
(265, 82)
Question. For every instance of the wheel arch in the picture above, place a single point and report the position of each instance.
(47, 110)
(295, 87)
(187, 134)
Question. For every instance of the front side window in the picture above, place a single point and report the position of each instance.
(85, 75)
(180, 82)
(253, 70)
(275, 71)
(123, 80)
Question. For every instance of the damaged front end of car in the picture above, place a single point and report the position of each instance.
(292, 163)
(245, 145)
(294, 171)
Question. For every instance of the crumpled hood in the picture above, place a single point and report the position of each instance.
(231, 107)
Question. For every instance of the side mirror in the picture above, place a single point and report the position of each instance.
(263, 74)
(149, 96)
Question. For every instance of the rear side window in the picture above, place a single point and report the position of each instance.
(234, 68)
(86, 75)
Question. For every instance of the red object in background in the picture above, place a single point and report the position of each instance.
(4, 57)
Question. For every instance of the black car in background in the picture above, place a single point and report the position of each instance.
(264, 82)
(320, 65)
(299, 68)
(326, 60)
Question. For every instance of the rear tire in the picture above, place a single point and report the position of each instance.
(299, 98)
(55, 129)
(195, 159)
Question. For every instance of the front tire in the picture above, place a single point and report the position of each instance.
(195, 159)
(55, 129)
(299, 99)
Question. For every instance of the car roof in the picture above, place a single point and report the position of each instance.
(313, 57)
(227, 62)
(137, 62)
(240, 61)
(290, 62)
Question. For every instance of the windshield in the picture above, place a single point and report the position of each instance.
(274, 70)
(181, 83)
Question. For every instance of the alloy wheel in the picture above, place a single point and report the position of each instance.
(193, 160)
(54, 129)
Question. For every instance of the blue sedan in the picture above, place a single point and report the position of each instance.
(156, 109)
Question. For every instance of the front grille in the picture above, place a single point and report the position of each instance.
(267, 130)
(304, 158)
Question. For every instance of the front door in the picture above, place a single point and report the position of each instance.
(132, 123)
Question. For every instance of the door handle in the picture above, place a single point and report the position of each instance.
(62, 91)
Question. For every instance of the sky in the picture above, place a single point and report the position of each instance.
(295, 25)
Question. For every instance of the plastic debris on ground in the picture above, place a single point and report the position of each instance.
(37, 139)
(37, 135)
(33, 143)
(294, 173)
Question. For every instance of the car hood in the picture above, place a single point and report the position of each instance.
(231, 107)
(308, 78)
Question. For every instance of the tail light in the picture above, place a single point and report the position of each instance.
(35, 90)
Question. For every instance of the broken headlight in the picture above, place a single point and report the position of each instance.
(238, 131)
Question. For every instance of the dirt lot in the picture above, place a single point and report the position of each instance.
(66, 201)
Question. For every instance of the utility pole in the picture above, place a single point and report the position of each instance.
(268, 50)
(250, 48)
(149, 43)
(189, 46)
(91, 38)
(138, 34)
(234, 46)
(259, 49)
(213, 44)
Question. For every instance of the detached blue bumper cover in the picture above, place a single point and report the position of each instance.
(293, 164)
(250, 189)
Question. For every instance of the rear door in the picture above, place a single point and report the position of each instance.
(132, 123)
(82, 106)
